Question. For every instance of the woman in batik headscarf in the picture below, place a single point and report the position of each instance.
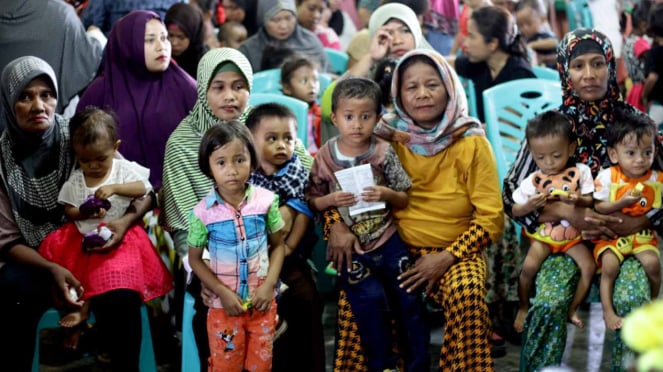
(590, 93)
(35, 161)
(454, 212)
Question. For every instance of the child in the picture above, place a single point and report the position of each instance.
(551, 141)
(274, 128)
(636, 46)
(652, 93)
(240, 226)
(383, 256)
(631, 146)
(231, 35)
(532, 24)
(135, 264)
(299, 79)
(468, 7)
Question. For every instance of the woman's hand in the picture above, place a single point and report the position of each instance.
(428, 269)
(119, 228)
(65, 280)
(207, 295)
(340, 245)
(262, 297)
(629, 225)
(593, 225)
(380, 44)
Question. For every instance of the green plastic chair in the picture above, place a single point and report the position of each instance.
(298, 107)
(338, 60)
(471, 95)
(508, 107)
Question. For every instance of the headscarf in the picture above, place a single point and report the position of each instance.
(454, 124)
(148, 105)
(183, 184)
(190, 21)
(33, 167)
(589, 119)
(300, 41)
(389, 11)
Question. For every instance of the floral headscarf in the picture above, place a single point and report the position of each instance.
(454, 124)
(589, 119)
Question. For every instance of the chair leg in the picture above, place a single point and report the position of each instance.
(190, 359)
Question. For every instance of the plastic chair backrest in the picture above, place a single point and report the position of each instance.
(267, 81)
(578, 14)
(338, 60)
(545, 73)
(508, 107)
(298, 107)
(471, 95)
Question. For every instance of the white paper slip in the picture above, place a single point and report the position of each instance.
(354, 180)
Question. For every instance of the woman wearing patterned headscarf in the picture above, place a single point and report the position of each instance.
(35, 161)
(453, 214)
(590, 93)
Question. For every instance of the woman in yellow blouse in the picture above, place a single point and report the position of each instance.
(455, 211)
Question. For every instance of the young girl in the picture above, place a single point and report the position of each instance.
(299, 79)
(240, 224)
(114, 182)
(552, 143)
(634, 54)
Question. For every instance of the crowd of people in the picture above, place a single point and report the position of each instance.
(114, 110)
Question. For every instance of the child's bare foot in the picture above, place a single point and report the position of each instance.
(73, 319)
(612, 320)
(519, 323)
(71, 337)
(575, 320)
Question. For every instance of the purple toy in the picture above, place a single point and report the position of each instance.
(93, 205)
(96, 237)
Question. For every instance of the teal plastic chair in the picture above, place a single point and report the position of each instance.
(190, 359)
(508, 107)
(299, 108)
(338, 60)
(545, 73)
(578, 14)
(147, 362)
(471, 95)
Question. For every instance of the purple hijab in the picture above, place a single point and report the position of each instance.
(149, 106)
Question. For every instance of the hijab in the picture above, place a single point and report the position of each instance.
(387, 12)
(190, 21)
(589, 119)
(455, 122)
(300, 41)
(33, 167)
(184, 185)
(148, 105)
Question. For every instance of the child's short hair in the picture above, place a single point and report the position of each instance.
(536, 5)
(274, 54)
(267, 110)
(294, 62)
(383, 73)
(218, 136)
(656, 20)
(91, 125)
(550, 123)
(628, 122)
(357, 87)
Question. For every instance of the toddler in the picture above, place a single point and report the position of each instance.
(636, 47)
(301, 346)
(652, 93)
(632, 187)
(533, 25)
(552, 143)
(299, 79)
(371, 282)
(96, 193)
(468, 7)
(240, 226)
(231, 35)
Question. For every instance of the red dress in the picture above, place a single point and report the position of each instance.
(133, 265)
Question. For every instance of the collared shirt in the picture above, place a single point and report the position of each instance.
(237, 239)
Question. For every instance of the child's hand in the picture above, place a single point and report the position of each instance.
(262, 297)
(375, 193)
(536, 201)
(100, 214)
(342, 199)
(571, 198)
(105, 192)
(231, 302)
(629, 199)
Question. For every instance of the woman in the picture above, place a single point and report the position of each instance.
(586, 64)
(149, 94)
(280, 27)
(495, 52)
(186, 32)
(309, 16)
(430, 129)
(225, 80)
(36, 160)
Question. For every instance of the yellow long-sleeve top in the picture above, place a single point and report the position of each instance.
(455, 200)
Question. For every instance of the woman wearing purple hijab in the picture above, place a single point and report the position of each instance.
(149, 94)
